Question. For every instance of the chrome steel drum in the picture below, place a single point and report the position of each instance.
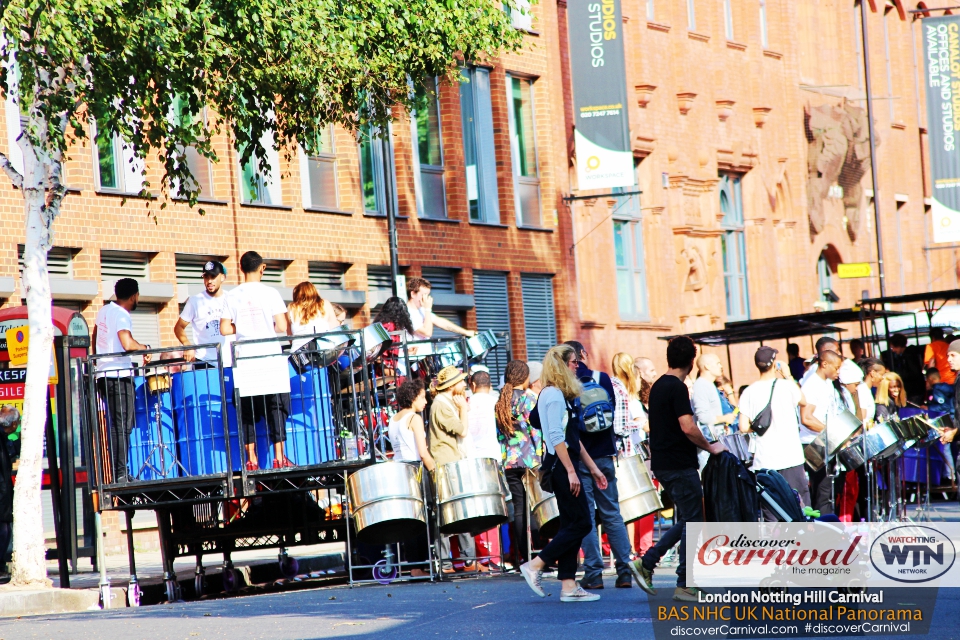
(471, 496)
(741, 445)
(840, 428)
(638, 495)
(852, 456)
(450, 355)
(386, 502)
(376, 340)
(912, 428)
(935, 428)
(883, 441)
(543, 506)
(481, 343)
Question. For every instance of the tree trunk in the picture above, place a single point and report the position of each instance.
(29, 551)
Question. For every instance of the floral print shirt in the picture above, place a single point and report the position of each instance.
(525, 447)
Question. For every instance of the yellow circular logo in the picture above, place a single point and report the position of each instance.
(593, 162)
(945, 221)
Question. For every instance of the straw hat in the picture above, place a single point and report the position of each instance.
(448, 377)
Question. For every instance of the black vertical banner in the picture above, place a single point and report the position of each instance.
(600, 103)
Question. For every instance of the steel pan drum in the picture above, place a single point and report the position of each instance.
(852, 456)
(912, 428)
(883, 441)
(376, 340)
(481, 343)
(543, 506)
(741, 445)
(386, 502)
(638, 496)
(935, 427)
(840, 428)
(450, 355)
(471, 496)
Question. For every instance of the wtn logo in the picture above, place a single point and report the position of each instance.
(921, 553)
(914, 554)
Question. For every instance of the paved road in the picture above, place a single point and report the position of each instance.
(489, 608)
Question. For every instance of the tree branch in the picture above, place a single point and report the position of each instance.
(11, 171)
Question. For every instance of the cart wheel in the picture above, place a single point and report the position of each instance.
(381, 575)
(289, 566)
(199, 584)
(133, 595)
(231, 579)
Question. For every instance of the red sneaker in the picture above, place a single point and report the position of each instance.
(252, 466)
(283, 464)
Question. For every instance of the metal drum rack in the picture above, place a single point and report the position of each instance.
(186, 454)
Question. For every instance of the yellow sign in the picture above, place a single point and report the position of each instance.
(855, 270)
(18, 343)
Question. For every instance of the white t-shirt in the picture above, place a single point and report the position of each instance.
(251, 307)
(826, 402)
(417, 317)
(317, 324)
(111, 319)
(203, 312)
(779, 447)
(402, 439)
(481, 439)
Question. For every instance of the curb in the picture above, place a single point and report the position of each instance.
(15, 603)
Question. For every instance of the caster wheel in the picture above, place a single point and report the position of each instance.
(133, 595)
(381, 575)
(289, 566)
(231, 580)
(199, 584)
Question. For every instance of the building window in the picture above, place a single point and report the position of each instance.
(691, 15)
(256, 185)
(273, 274)
(479, 153)
(59, 262)
(373, 170)
(319, 166)
(539, 322)
(493, 312)
(823, 279)
(198, 165)
(428, 153)
(733, 246)
(326, 275)
(379, 278)
(629, 256)
(728, 18)
(524, 150)
(650, 13)
(118, 168)
(764, 42)
(107, 164)
(520, 15)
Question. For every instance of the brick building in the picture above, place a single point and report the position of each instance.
(726, 228)
(721, 93)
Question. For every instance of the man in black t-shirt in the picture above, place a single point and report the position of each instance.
(674, 440)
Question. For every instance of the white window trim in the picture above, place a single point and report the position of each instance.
(130, 171)
(418, 167)
(303, 159)
(515, 153)
(521, 16)
(728, 18)
(764, 33)
(271, 182)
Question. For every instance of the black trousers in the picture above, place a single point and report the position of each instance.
(519, 513)
(275, 407)
(686, 491)
(119, 395)
(574, 525)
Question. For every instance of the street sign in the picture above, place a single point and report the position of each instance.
(855, 270)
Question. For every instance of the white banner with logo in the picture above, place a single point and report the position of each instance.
(821, 554)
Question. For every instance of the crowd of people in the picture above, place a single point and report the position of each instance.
(563, 419)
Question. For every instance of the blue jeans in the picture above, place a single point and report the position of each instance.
(685, 490)
(607, 503)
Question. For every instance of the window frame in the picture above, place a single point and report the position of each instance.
(117, 154)
(627, 213)
(764, 33)
(488, 200)
(691, 15)
(518, 180)
(420, 168)
(728, 19)
(327, 157)
(378, 168)
(733, 229)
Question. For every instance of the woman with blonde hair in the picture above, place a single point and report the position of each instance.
(629, 418)
(891, 396)
(561, 420)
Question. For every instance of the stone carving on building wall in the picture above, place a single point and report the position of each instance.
(696, 277)
(838, 153)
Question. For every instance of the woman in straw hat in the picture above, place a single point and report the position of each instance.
(560, 417)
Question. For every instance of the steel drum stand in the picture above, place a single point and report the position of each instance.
(923, 501)
(160, 447)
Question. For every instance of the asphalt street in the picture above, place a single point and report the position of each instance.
(500, 607)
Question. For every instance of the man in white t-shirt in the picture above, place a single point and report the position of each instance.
(481, 439)
(203, 313)
(255, 311)
(113, 333)
(779, 447)
(420, 306)
(825, 399)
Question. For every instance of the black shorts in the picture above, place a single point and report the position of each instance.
(275, 407)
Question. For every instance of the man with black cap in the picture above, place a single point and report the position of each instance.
(779, 447)
(113, 333)
(203, 312)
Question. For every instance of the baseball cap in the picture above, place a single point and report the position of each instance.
(764, 356)
(214, 268)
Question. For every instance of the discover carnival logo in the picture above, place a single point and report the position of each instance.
(912, 554)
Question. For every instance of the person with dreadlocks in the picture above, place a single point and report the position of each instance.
(522, 448)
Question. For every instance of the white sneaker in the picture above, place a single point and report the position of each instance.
(578, 595)
(534, 579)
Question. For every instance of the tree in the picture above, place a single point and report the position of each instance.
(279, 70)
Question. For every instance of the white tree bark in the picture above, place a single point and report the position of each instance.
(42, 194)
